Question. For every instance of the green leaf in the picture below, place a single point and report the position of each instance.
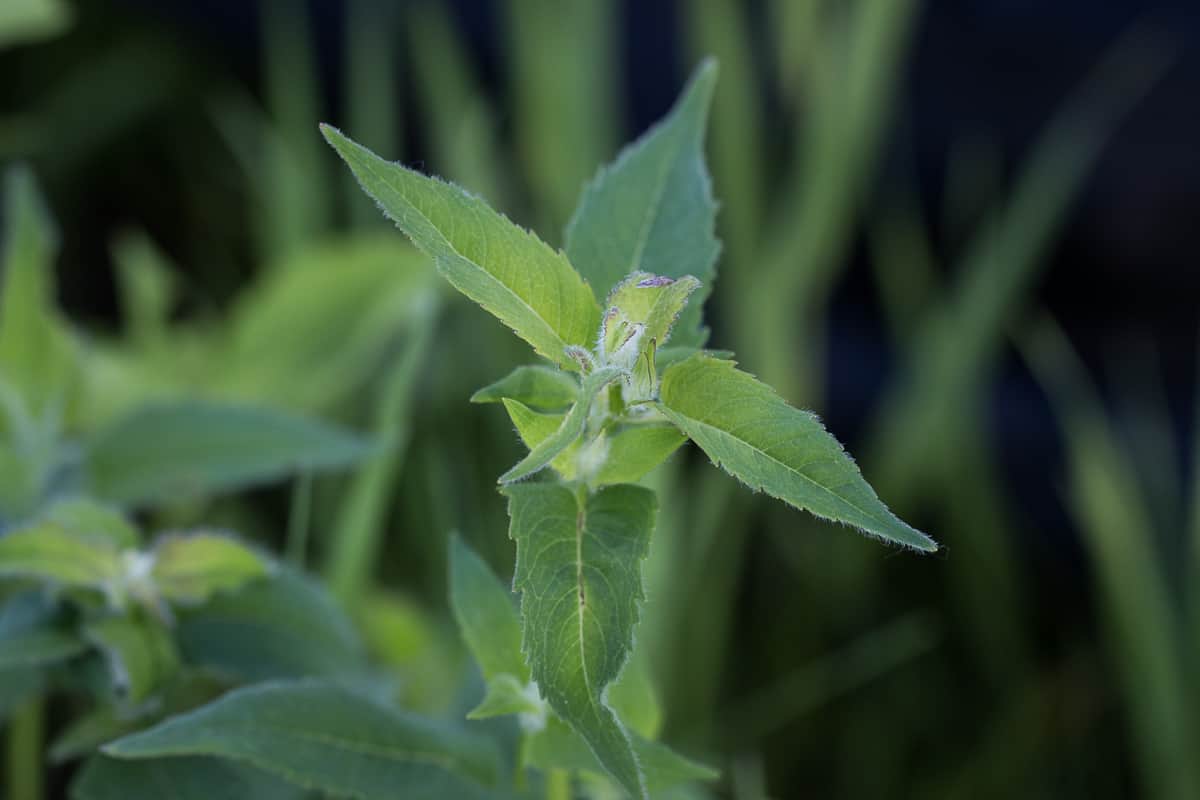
(36, 351)
(633, 698)
(45, 551)
(559, 747)
(17, 685)
(28, 21)
(535, 427)
(568, 432)
(579, 574)
(193, 448)
(507, 270)
(140, 653)
(192, 568)
(653, 301)
(30, 634)
(284, 627)
(652, 210)
(328, 739)
(508, 695)
(748, 430)
(92, 520)
(542, 388)
(486, 616)
(193, 778)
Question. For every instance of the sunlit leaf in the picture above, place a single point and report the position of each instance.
(541, 388)
(190, 568)
(140, 652)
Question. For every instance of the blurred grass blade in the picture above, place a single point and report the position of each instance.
(358, 530)
(563, 85)
(30, 21)
(1141, 615)
(147, 288)
(372, 91)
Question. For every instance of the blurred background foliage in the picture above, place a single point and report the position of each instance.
(964, 233)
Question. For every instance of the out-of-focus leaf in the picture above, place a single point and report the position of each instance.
(652, 210)
(326, 738)
(95, 521)
(748, 430)
(508, 695)
(507, 270)
(579, 574)
(311, 333)
(16, 686)
(486, 614)
(188, 778)
(140, 652)
(284, 627)
(189, 449)
(28, 21)
(542, 388)
(633, 697)
(634, 450)
(373, 85)
(30, 636)
(146, 281)
(45, 551)
(191, 568)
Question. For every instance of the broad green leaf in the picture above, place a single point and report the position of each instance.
(328, 739)
(190, 448)
(748, 430)
(284, 627)
(652, 209)
(579, 574)
(192, 568)
(45, 551)
(31, 635)
(507, 270)
(486, 615)
(140, 653)
(28, 21)
(559, 747)
(542, 388)
(95, 521)
(568, 432)
(191, 778)
(508, 695)
(654, 301)
(36, 351)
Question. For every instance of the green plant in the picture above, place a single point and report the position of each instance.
(627, 384)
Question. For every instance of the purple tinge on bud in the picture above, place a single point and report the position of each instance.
(656, 280)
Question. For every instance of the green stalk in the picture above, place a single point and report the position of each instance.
(558, 785)
(298, 520)
(25, 735)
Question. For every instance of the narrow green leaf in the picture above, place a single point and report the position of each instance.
(570, 430)
(287, 626)
(192, 778)
(506, 694)
(192, 568)
(486, 615)
(507, 270)
(748, 430)
(535, 427)
(95, 521)
(140, 652)
(147, 288)
(194, 448)
(542, 388)
(579, 574)
(45, 551)
(652, 210)
(559, 747)
(328, 739)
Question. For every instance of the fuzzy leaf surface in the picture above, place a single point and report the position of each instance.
(570, 430)
(196, 448)
(509, 271)
(542, 388)
(652, 210)
(654, 301)
(751, 432)
(328, 739)
(579, 574)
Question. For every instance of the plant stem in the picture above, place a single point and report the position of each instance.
(25, 734)
(558, 785)
(298, 520)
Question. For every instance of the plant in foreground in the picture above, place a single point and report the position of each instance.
(617, 314)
